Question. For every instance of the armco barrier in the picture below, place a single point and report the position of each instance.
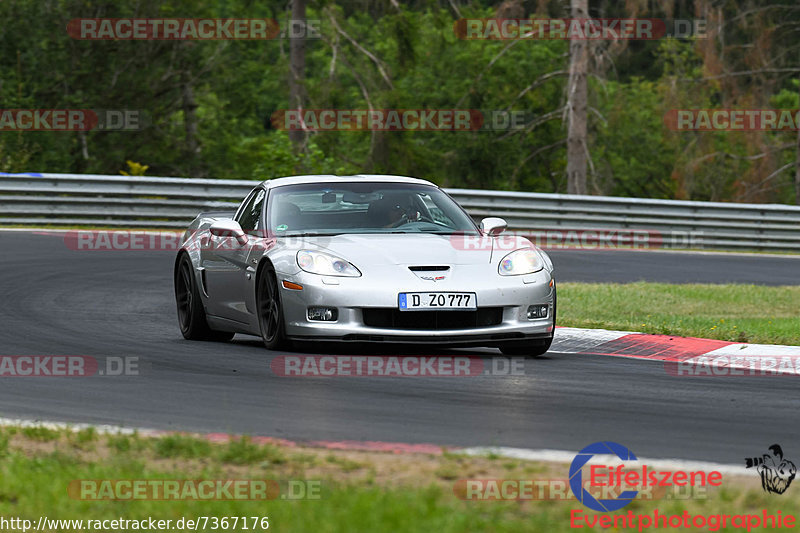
(155, 202)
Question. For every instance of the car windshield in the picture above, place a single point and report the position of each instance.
(364, 207)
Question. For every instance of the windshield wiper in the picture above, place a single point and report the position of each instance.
(451, 232)
(312, 234)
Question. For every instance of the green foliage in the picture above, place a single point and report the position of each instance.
(135, 169)
(209, 103)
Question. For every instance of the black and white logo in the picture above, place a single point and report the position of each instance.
(776, 472)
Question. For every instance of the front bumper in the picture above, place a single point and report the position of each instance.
(350, 296)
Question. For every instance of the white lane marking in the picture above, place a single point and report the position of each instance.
(561, 456)
(102, 429)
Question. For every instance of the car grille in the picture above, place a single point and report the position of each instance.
(389, 318)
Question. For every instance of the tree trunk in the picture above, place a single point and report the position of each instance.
(297, 63)
(577, 147)
(190, 125)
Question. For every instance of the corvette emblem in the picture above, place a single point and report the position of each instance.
(432, 278)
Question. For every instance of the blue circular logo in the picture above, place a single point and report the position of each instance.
(576, 476)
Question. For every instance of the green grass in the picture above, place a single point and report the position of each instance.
(125, 443)
(739, 313)
(33, 488)
(34, 484)
(35, 474)
(182, 446)
(239, 451)
(40, 433)
(242, 452)
(345, 464)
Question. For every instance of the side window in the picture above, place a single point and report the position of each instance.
(251, 213)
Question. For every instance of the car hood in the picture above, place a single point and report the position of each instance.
(403, 249)
(410, 249)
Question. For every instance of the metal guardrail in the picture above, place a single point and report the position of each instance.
(156, 202)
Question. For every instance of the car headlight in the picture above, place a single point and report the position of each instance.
(525, 261)
(325, 264)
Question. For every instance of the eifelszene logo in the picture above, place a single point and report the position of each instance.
(776, 472)
(619, 478)
(576, 477)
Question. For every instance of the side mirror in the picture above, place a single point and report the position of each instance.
(228, 228)
(493, 226)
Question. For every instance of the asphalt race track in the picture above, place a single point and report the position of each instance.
(62, 302)
(615, 266)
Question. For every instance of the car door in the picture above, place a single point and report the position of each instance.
(229, 274)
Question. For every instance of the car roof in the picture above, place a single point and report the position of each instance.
(329, 178)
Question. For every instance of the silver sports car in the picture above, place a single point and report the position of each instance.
(362, 258)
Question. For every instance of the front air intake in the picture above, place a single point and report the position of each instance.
(391, 318)
(432, 268)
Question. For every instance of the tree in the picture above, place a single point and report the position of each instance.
(577, 147)
(297, 63)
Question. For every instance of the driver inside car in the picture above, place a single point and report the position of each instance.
(396, 214)
(389, 213)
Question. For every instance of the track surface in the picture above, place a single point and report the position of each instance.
(617, 266)
(57, 301)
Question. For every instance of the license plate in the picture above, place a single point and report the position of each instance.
(416, 301)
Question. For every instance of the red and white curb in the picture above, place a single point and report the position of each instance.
(687, 356)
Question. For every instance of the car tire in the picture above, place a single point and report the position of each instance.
(527, 349)
(191, 314)
(535, 348)
(270, 310)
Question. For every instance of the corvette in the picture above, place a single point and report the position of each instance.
(365, 258)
